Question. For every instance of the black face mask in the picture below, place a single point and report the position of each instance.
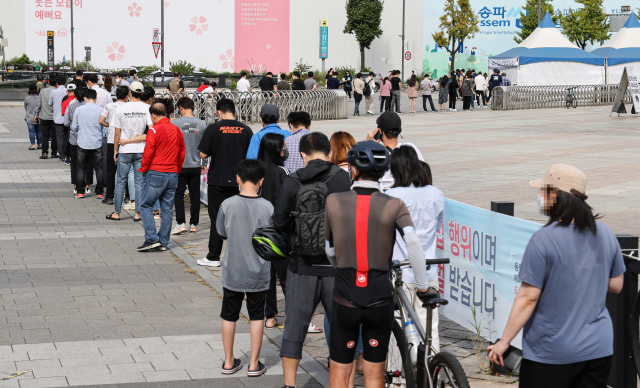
(286, 155)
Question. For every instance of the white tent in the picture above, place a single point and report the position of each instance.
(546, 57)
(622, 50)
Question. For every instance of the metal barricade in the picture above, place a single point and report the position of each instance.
(320, 104)
(553, 96)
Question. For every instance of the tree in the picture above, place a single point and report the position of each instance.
(458, 23)
(529, 17)
(182, 67)
(363, 20)
(585, 25)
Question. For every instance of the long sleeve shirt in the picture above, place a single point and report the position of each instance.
(43, 110)
(164, 150)
(55, 100)
(68, 120)
(85, 123)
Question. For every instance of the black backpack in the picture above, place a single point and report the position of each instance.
(309, 217)
(367, 89)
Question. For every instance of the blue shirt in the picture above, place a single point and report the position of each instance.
(333, 83)
(254, 146)
(55, 100)
(570, 322)
(85, 123)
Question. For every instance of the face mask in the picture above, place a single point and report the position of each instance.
(540, 203)
(285, 155)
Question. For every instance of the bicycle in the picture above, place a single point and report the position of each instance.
(432, 369)
(571, 99)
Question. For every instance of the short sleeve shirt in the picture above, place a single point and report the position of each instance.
(226, 142)
(267, 83)
(109, 113)
(395, 83)
(570, 322)
(132, 118)
(243, 85)
(309, 83)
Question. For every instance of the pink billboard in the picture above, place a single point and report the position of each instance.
(262, 36)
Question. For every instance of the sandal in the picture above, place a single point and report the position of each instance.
(313, 329)
(32, 148)
(274, 325)
(137, 219)
(110, 217)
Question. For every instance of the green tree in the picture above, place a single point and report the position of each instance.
(585, 25)
(182, 67)
(529, 18)
(363, 20)
(458, 23)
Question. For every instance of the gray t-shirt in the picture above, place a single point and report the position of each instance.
(242, 269)
(570, 323)
(192, 129)
(309, 83)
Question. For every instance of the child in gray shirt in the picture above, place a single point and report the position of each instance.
(243, 271)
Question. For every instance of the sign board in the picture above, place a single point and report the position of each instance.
(156, 48)
(485, 249)
(407, 55)
(324, 38)
(88, 55)
(629, 80)
(4, 42)
(156, 35)
(50, 53)
(87, 48)
(156, 41)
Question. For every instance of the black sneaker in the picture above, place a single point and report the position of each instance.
(162, 248)
(148, 245)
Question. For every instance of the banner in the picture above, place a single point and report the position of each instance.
(495, 63)
(485, 249)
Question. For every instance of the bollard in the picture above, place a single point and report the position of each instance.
(620, 306)
(502, 207)
(222, 81)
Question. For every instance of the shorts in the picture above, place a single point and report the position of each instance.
(232, 303)
(585, 374)
(377, 323)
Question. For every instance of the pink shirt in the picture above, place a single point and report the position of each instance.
(385, 89)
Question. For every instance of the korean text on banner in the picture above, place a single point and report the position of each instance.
(485, 249)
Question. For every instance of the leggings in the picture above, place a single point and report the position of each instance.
(452, 100)
(348, 92)
(385, 103)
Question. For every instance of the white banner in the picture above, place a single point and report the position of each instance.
(503, 62)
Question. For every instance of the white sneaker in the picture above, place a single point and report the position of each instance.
(194, 228)
(313, 329)
(129, 206)
(87, 190)
(208, 263)
(454, 110)
(180, 228)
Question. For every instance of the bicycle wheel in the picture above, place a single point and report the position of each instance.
(568, 101)
(398, 369)
(446, 371)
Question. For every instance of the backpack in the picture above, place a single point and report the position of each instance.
(367, 89)
(308, 212)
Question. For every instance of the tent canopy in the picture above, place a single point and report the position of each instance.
(624, 47)
(547, 44)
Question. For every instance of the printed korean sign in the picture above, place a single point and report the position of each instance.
(485, 249)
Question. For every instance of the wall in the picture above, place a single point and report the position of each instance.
(12, 22)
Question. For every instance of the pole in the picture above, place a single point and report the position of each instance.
(539, 8)
(402, 68)
(162, 37)
(4, 59)
(323, 64)
(72, 63)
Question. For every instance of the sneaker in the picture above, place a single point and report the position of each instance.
(180, 228)
(148, 245)
(87, 190)
(44, 156)
(194, 228)
(156, 216)
(109, 201)
(75, 191)
(162, 248)
(99, 196)
(79, 195)
(208, 263)
(129, 206)
(258, 372)
(237, 365)
(454, 110)
(67, 163)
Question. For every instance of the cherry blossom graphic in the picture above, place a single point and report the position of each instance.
(115, 51)
(257, 69)
(199, 29)
(227, 60)
(166, 4)
(134, 10)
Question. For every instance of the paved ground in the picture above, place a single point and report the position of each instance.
(81, 307)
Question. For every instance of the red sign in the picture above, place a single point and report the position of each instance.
(156, 48)
(407, 55)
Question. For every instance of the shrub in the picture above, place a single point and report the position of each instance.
(182, 67)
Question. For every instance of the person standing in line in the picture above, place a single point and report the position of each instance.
(131, 120)
(267, 83)
(385, 95)
(194, 166)
(106, 120)
(495, 80)
(505, 80)
(270, 117)
(78, 80)
(358, 89)
(175, 86)
(480, 83)
(566, 271)
(467, 92)
(72, 146)
(412, 93)
(109, 86)
(453, 92)
(162, 161)
(44, 115)
(68, 100)
(443, 92)
(104, 97)
(55, 100)
(297, 83)
(132, 77)
(371, 92)
(310, 83)
(346, 81)
(283, 84)
(90, 133)
(226, 142)
(40, 83)
(30, 106)
(121, 81)
(244, 86)
(426, 93)
(396, 85)
(300, 125)
(341, 143)
(333, 83)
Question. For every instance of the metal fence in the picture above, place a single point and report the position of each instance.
(553, 96)
(320, 104)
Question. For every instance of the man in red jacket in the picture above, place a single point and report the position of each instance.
(162, 161)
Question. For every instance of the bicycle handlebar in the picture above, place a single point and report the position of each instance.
(397, 264)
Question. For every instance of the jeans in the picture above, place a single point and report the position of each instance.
(34, 131)
(48, 134)
(110, 172)
(395, 99)
(59, 128)
(327, 336)
(96, 159)
(131, 185)
(188, 177)
(216, 195)
(104, 159)
(157, 186)
(385, 103)
(126, 163)
(472, 99)
(356, 111)
(424, 102)
(88, 168)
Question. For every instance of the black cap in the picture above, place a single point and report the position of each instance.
(496, 70)
(390, 122)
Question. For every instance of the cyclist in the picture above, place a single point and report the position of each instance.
(360, 229)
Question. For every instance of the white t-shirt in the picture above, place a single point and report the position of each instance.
(132, 118)
(109, 113)
(387, 180)
(480, 82)
(243, 85)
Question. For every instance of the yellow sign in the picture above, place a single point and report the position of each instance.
(49, 33)
(324, 23)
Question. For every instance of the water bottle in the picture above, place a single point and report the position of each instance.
(413, 341)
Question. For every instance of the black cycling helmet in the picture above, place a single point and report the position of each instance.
(270, 244)
(369, 156)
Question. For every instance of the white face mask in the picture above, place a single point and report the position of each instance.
(540, 203)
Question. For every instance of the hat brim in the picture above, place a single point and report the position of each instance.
(536, 183)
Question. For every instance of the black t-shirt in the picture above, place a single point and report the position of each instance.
(227, 142)
(333, 83)
(267, 83)
(273, 178)
(395, 83)
(495, 80)
(80, 84)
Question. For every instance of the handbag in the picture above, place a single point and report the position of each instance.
(357, 96)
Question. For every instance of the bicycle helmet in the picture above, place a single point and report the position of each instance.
(369, 156)
(270, 244)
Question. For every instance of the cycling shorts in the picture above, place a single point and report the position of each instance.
(377, 323)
